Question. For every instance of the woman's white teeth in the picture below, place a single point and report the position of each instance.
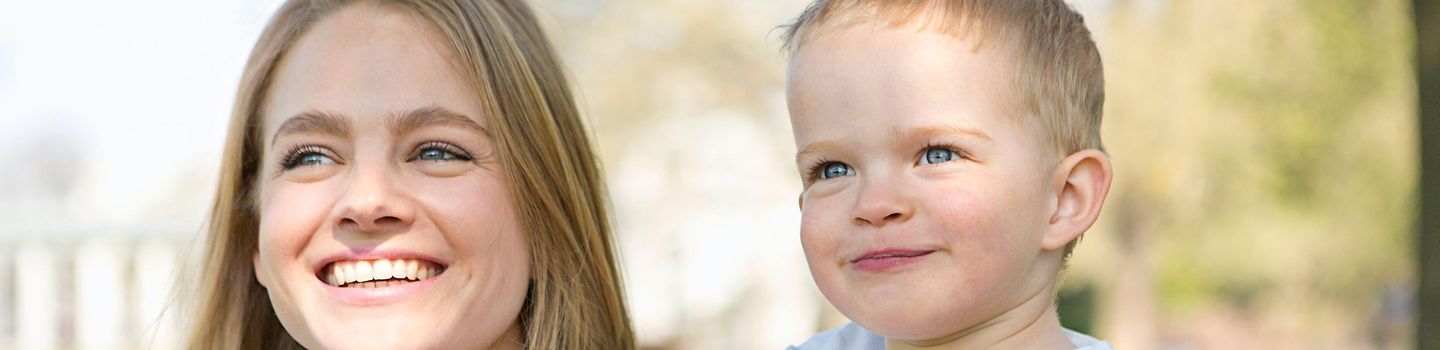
(378, 273)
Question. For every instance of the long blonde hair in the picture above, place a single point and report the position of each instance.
(575, 299)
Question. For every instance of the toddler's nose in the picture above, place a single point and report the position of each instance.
(880, 204)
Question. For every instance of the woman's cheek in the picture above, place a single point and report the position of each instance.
(295, 208)
(462, 201)
(289, 215)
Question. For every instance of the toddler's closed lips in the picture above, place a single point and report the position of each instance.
(881, 259)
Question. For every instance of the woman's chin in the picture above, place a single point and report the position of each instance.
(394, 331)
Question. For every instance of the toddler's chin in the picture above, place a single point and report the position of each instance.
(905, 326)
(915, 316)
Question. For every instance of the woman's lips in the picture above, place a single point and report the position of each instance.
(884, 259)
(368, 296)
(363, 278)
(378, 273)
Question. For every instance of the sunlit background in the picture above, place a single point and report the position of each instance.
(1264, 197)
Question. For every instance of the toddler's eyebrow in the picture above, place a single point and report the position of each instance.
(817, 147)
(943, 130)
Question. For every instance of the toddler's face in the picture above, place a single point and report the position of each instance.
(926, 193)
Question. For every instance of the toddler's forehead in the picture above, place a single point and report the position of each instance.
(951, 55)
(921, 72)
(946, 46)
(1056, 101)
(992, 32)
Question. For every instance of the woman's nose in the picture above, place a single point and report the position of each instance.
(374, 203)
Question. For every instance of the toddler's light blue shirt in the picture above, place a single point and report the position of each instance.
(852, 337)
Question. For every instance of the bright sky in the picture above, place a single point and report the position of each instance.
(138, 92)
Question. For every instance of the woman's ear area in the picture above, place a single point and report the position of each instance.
(1083, 181)
(255, 266)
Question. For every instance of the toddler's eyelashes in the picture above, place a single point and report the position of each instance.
(937, 155)
(826, 169)
(836, 169)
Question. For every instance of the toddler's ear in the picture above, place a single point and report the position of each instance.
(1083, 179)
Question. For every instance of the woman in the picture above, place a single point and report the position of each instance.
(408, 174)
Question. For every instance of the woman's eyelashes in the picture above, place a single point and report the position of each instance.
(306, 155)
(437, 151)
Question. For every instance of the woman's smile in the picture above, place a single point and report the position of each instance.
(378, 273)
(378, 281)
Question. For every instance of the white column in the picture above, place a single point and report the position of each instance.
(100, 301)
(155, 314)
(36, 301)
(7, 300)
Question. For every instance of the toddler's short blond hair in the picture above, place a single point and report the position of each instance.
(1060, 77)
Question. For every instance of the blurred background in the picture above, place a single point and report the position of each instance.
(1265, 196)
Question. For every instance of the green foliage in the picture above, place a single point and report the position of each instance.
(1264, 152)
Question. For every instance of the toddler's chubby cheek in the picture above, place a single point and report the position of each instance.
(821, 230)
(822, 241)
(979, 254)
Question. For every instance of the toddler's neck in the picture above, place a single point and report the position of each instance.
(1033, 324)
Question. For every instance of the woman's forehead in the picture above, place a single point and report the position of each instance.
(368, 62)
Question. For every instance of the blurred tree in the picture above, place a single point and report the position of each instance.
(1427, 62)
(1264, 161)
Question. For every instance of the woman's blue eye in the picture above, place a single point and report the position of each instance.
(835, 169)
(440, 152)
(305, 156)
(435, 154)
(314, 159)
(938, 155)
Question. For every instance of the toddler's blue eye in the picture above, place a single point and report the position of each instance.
(938, 155)
(836, 169)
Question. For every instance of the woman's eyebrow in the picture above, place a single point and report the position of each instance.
(337, 125)
(434, 115)
(313, 122)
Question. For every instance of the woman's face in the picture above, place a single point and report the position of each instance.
(385, 218)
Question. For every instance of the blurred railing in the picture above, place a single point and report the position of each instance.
(89, 293)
